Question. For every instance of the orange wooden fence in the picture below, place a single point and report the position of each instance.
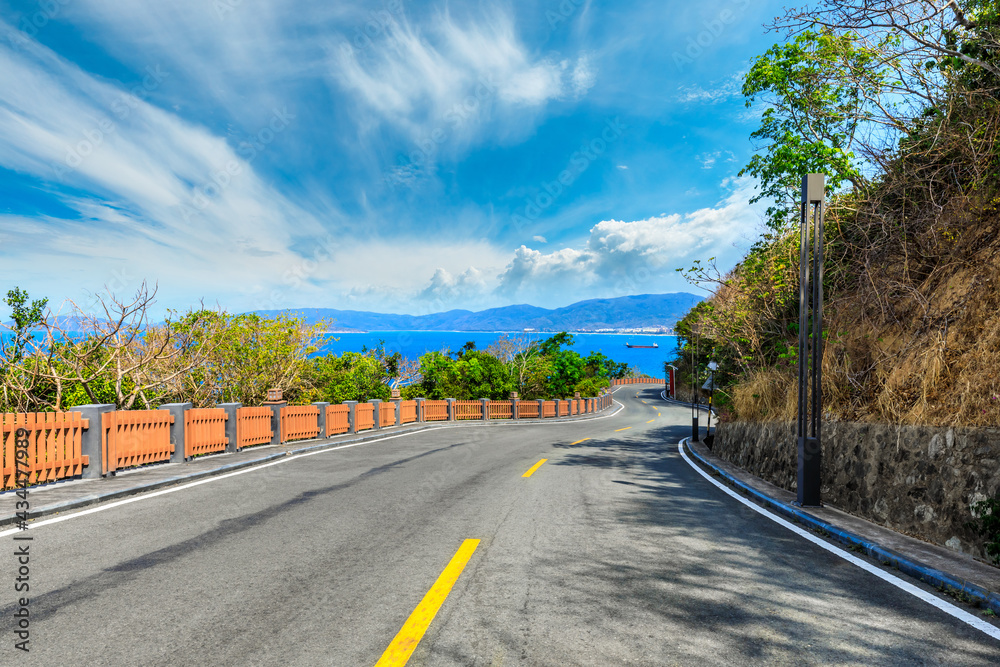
(527, 409)
(299, 422)
(407, 412)
(54, 447)
(563, 408)
(134, 437)
(204, 431)
(337, 419)
(386, 414)
(549, 409)
(468, 410)
(435, 411)
(253, 427)
(501, 410)
(638, 380)
(364, 414)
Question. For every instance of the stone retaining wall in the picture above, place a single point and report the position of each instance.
(917, 480)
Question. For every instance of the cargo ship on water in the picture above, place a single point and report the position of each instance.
(647, 347)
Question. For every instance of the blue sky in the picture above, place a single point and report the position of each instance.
(394, 156)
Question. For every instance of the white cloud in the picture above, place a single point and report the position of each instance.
(450, 76)
(622, 166)
(618, 255)
(721, 91)
(709, 159)
(166, 198)
(540, 239)
(445, 287)
(583, 76)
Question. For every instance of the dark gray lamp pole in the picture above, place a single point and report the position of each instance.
(810, 342)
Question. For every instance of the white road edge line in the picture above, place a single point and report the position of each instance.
(906, 586)
(293, 457)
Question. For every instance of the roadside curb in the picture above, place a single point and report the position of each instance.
(943, 581)
(99, 498)
(674, 401)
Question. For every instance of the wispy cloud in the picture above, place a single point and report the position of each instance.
(418, 76)
(722, 91)
(708, 160)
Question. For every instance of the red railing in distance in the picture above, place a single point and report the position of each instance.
(549, 409)
(253, 426)
(407, 412)
(435, 411)
(364, 415)
(386, 414)
(527, 409)
(134, 437)
(299, 422)
(501, 409)
(338, 419)
(468, 410)
(204, 431)
(54, 447)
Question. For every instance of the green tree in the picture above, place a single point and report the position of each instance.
(819, 89)
(26, 316)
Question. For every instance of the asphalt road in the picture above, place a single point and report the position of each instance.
(613, 552)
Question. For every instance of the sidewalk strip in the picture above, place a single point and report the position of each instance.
(933, 600)
(534, 468)
(579, 441)
(622, 429)
(416, 625)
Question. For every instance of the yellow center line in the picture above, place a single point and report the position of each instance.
(622, 429)
(579, 441)
(534, 468)
(416, 625)
(651, 421)
(658, 414)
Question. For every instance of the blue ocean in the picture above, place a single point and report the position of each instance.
(412, 344)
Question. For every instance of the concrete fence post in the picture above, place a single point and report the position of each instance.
(351, 416)
(231, 409)
(92, 438)
(420, 410)
(177, 428)
(485, 402)
(275, 419)
(399, 410)
(513, 407)
(451, 409)
(376, 413)
(321, 421)
(559, 407)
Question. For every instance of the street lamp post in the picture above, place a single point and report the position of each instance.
(808, 426)
(712, 367)
(694, 393)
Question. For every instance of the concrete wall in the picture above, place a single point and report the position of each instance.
(917, 480)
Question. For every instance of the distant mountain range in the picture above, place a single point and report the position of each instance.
(627, 312)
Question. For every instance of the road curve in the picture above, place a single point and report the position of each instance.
(613, 551)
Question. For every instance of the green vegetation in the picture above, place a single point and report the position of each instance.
(210, 357)
(986, 524)
(900, 107)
